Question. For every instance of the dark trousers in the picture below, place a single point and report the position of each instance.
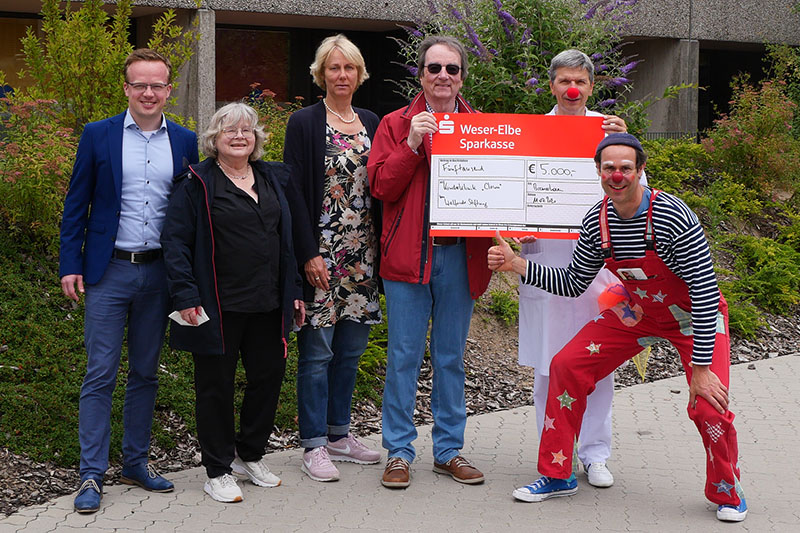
(257, 336)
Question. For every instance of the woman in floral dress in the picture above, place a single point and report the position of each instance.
(336, 242)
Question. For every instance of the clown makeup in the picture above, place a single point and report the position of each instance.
(620, 178)
(617, 173)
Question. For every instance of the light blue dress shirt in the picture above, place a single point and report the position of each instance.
(146, 185)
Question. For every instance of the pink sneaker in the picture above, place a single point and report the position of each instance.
(351, 450)
(317, 464)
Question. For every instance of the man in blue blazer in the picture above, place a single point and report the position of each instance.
(110, 251)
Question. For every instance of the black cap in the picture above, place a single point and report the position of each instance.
(618, 138)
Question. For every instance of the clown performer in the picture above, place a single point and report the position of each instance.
(654, 243)
(546, 321)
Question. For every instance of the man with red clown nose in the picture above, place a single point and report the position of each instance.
(654, 243)
(547, 322)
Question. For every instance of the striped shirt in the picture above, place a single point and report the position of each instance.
(680, 243)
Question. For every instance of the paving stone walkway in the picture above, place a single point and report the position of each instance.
(658, 464)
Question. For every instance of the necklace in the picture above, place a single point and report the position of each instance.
(232, 176)
(340, 116)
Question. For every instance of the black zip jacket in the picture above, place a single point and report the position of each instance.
(188, 243)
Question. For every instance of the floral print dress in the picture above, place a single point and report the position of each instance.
(348, 243)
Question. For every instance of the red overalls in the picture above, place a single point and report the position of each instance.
(659, 308)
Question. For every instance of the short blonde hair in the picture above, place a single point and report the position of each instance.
(229, 116)
(349, 51)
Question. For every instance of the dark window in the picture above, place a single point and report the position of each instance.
(245, 56)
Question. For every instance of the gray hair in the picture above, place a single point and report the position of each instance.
(450, 42)
(571, 59)
(228, 116)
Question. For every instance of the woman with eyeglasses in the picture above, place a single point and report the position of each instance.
(232, 275)
(336, 242)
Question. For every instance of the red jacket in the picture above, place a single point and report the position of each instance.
(400, 179)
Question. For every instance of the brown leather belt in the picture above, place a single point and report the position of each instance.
(446, 241)
(138, 257)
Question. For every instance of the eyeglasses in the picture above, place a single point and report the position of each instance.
(232, 133)
(142, 87)
(436, 68)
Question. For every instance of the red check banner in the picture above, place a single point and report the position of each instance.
(521, 174)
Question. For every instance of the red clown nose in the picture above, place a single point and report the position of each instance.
(617, 176)
(573, 93)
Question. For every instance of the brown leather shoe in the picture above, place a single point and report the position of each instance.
(396, 474)
(460, 469)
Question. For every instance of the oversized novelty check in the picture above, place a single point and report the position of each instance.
(521, 174)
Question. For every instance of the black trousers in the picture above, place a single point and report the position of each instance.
(257, 336)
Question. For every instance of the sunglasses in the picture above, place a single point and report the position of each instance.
(436, 68)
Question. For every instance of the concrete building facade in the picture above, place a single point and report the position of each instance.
(271, 42)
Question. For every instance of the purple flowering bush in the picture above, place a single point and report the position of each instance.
(511, 43)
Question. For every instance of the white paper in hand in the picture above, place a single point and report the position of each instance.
(201, 318)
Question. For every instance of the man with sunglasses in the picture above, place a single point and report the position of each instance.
(655, 244)
(110, 251)
(426, 279)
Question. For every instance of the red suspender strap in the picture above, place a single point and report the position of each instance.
(605, 235)
(649, 234)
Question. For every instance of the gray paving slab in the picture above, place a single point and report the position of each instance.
(657, 462)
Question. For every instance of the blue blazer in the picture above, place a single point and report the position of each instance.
(92, 207)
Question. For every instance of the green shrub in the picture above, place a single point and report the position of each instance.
(784, 64)
(744, 318)
(78, 61)
(503, 303)
(273, 116)
(790, 235)
(768, 272)
(42, 370)
(753, 142)
(674, 163)
(36, 156)
(726, 199)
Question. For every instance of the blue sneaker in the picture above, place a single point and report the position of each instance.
(732, 513)
(146, 477)
(89, 495)
(547, 487)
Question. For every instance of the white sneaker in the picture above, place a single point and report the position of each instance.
(257, 471)
(599, 475)
(223, 489)
(317, 464)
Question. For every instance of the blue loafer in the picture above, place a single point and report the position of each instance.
(146, 477)
(89, 495)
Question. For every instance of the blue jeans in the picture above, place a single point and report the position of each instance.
(136, 296)
(447, 304)
(326, 375)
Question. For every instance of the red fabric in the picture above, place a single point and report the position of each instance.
(400, 179)
(615, 336)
